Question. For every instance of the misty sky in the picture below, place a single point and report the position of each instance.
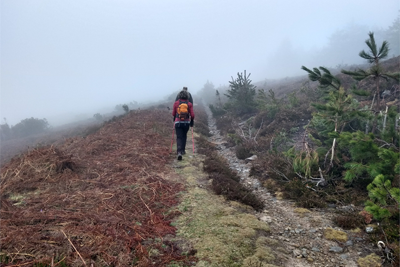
(62, 58)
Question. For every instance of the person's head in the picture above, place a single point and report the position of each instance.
(185, 88)
(183, 95)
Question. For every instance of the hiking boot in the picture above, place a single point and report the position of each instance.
(179, 156)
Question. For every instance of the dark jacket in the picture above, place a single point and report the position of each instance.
(190, 98)
(175, 107)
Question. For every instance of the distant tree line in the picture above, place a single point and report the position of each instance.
(126, 107)
(26, 127)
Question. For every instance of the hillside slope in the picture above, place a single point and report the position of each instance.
(98, 199)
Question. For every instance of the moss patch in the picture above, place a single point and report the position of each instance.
(279, 195)
(332, 234)
(301, 210)
(219, 230)
(219, 233)
(371, 260)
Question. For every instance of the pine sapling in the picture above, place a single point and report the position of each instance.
(382, 197)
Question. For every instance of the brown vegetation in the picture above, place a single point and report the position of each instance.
(99, 199)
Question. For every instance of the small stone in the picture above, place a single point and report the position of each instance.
(336, 249)
(309, 259)
(312, 230)
(252, 158)
(348, 243)
(369, 229)
(256, 184)
(315, 249)
(296, 252)
(298, 231)
(344, 256)
(265, 218)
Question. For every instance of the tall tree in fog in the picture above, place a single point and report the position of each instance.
(376, 72)
(392, 36)
(343, 46)
(207, 92)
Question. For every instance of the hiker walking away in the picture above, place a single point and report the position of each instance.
(183, 114)
(190, 98)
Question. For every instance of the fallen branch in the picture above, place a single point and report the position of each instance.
(386, 144)
(151, 213)
(321, 180)
(22, 254)
(255, 137)
(280, 174)
(74, 248)
(307, 186)
(22, 264)
(58, 262)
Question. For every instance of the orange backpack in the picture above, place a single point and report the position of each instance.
(183, 111)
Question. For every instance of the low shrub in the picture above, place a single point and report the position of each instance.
(242, 151)
(216, 164)
(233, 190)
(216, 111)
(224, 124)
(202, 129)
(305, 197)
(349, 221)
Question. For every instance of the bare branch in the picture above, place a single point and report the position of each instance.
(255, 137)
(280, 174)
(74, 247)
(386, 144)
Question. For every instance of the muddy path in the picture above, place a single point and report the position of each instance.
(309, 237)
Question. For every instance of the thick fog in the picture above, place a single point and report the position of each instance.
(67, 60)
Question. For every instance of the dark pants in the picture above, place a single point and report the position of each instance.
(181, 130)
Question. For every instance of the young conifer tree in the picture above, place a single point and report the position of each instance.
(241, 93)
(375, 72)
(384, 198)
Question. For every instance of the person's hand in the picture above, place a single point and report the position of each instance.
(191, 123)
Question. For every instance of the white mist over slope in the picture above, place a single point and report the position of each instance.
(66, 60)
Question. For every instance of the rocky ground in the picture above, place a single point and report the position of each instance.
(305, 234)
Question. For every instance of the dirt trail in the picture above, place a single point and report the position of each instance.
(301, 232)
